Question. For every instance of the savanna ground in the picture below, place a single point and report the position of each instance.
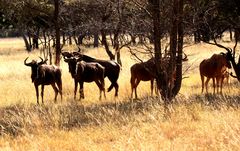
(196, 122)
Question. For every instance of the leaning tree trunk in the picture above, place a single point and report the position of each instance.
(57, 32)
(27, 45)
(105, 43)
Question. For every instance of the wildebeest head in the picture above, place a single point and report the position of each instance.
(72, 60)
(228, 57)
(72, 63)
(34, 64)
(67, 55)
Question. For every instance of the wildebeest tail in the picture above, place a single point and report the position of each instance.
(116, 75)
(59, 78)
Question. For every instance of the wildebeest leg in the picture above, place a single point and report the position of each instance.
(136, 84)
(206, 84)
(202, 79)
(116, 89)
(37, 93)
(132, 82)
(156, 88)
(218, 80)
(81, 90)
(151, 87)
(42, 92)
(101, 88)
(213, 85)
(115, 85)
(75, 88)
(221, 83)
(102, 82)
(55, 90)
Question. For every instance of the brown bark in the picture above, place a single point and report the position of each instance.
(161, 75)
(104, 42)
(57, 32)
(173, 47)
(178, 81)
(95, 42)
(27, 45)
(166, 71)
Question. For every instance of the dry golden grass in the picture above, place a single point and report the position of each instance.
(196, 122)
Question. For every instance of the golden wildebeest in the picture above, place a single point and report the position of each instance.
(144, 71)
(214, 68)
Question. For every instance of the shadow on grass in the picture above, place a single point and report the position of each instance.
(24, 119)
(217, 101)
(21, 119)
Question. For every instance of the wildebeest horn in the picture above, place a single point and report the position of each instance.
(41, 62)
(27, 64)
(76, 54)
(185, 57)
(79, 49)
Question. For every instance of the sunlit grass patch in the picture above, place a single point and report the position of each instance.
(196, 121)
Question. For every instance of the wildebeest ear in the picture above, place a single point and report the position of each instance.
(27, 64)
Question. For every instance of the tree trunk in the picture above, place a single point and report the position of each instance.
(80, 39)
(173, 49)
(133, 39)
(57, 32)
(104, 42)
(237, 34)
(160, 75)
(63, 38)
(27, 45)
(178, 81)
(70, 40)
(197, 37)
(166, 68)
(95, 43)
(29, 39)
(230, 32)
(35, 39)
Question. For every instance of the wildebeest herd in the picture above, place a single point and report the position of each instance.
(84, 68)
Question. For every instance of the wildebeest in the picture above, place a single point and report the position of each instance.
(43, 74)
(82, 71)
(112, 68)
(144, 71)
(214, 68)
